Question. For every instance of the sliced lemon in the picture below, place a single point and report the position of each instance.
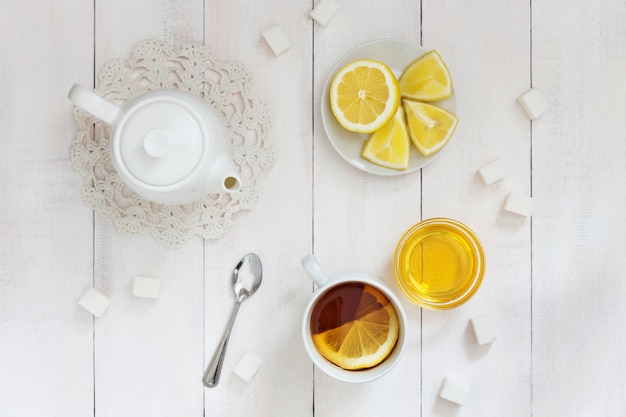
(426, 79)
(430, 127)
(390, 145)
(362, 343)
(364, 95)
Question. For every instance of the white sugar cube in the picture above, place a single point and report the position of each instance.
(484, 329)
(494, 171)
(324, 11)
(534, 103)
(146, 287)
(277, 39)
(519, 204)
(454, 390)
(247, 366)
(95, 302)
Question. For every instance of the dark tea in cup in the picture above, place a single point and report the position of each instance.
(354, 325)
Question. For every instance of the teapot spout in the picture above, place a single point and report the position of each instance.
(223, 176)
(94, 104)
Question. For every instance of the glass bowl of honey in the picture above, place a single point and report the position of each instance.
(439, 263)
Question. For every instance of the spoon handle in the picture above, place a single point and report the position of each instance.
(214, 370)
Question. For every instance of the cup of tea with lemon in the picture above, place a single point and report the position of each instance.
(439, 263)
(354, 327)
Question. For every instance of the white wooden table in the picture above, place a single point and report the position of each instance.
(555, 282)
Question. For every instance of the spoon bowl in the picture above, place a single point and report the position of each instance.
(246, 279)
(247, 276)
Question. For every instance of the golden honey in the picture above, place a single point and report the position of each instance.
(439, 263)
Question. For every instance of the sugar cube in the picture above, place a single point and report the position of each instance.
(277, 39)
(95, 302)
(484, 329)
(519, 204)
(324, 11)
(146, 287)
(248, 365)
(454, 390)
(494, 171)
(534, 103)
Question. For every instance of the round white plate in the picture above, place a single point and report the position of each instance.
(397, 54)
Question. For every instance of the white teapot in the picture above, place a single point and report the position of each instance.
(168, 146)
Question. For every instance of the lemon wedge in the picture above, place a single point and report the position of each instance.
(426, 79)
(390, 146)
(430, 127)
(364, 95)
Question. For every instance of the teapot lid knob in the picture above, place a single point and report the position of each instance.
(160, 143)
(156, 143)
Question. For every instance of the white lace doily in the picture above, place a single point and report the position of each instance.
(226, 86)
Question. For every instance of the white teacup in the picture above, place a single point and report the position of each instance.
(325, 284)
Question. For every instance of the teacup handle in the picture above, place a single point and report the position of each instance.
(94, 104)
(315, 271)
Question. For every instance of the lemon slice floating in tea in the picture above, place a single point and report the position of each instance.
(430, 127)
(365, 341)
(364, 95)
(390, 146)
(426, 79)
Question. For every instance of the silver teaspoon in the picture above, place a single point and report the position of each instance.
(246, 278)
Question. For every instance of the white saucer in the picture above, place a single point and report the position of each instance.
(397, 54)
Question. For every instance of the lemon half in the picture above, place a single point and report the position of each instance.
(364, 95)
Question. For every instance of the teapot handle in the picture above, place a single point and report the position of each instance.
(94, 104)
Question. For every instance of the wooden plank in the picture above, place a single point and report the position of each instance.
(359, 216)
(46, 358)
(579, 178)
(155, 345)
(278, 229)
(488, 58)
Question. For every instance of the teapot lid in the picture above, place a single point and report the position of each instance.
(161, 143)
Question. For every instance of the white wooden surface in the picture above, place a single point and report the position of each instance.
(555, 283)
